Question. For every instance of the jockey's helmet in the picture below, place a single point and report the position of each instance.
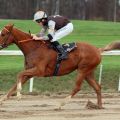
(39, 15)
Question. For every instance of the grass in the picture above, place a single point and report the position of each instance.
(96, 33)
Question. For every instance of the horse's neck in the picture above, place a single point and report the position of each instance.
(26, 47)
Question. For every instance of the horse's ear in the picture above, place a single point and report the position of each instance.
(12, 25)
(29, 32)
(9, 26)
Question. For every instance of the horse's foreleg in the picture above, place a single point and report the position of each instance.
(19, 88)
(35, 71)
(26, 73)
(12, 90)
(80, 78)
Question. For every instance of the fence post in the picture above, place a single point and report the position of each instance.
(100, 74)
(31, 85)
(119, 84)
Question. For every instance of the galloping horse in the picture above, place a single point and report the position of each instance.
(40, 61)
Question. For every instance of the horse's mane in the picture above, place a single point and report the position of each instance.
(11, 25)
(28, 35)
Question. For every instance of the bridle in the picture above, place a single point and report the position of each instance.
(7, 36)
(4, 45)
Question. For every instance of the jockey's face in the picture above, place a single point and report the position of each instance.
(39, 22)
(42, 22)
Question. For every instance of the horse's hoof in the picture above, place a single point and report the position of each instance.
(100, 107)
(3, 99)
(62, 103)
(19, 97)
(58, 109)
(1, 103)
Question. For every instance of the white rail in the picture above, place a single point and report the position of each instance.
(18, 52)
(115, 52)
(11, 52)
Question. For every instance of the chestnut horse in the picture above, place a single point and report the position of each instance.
(40, 61)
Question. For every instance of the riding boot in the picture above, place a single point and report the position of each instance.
(63, 53)
(60, 49)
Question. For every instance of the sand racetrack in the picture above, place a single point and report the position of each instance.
(43, 108)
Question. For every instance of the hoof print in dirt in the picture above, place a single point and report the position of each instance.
(91, 105)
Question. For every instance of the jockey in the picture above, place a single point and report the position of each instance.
(57, 27)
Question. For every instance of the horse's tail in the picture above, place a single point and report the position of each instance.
(112, 46)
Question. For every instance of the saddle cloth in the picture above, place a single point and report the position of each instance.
(68, 47)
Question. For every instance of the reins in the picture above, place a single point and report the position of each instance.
(28, 40)
(25, 40)
(21, 41)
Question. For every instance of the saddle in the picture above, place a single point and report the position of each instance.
(68, 48)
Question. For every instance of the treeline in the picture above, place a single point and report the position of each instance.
(108, 10)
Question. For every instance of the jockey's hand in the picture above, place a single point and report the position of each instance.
(36, 38)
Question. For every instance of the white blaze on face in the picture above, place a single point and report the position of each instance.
(0, 32)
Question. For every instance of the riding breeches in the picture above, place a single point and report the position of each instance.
(62, 32)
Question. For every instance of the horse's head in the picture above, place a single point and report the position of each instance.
(6, 36)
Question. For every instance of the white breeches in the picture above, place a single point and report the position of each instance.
(62, 32)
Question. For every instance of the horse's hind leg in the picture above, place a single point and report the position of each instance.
(80, 78)
(91, 80)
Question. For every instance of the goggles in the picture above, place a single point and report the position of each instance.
(38, 21)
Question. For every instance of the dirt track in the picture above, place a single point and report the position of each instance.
(43, 108)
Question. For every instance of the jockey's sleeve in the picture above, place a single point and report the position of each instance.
(51, 29)
(42, 32)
